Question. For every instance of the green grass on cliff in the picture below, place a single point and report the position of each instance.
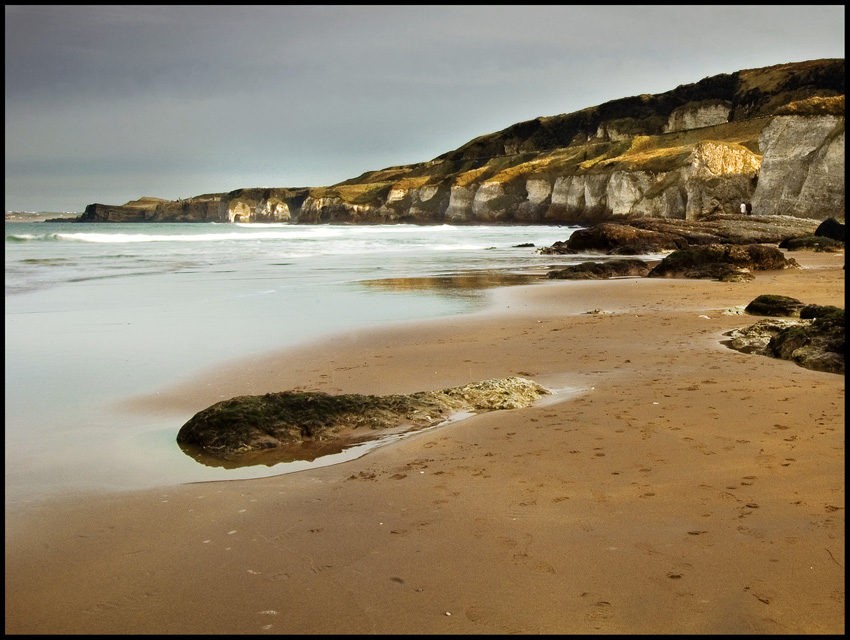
(658, 154)
(817, 106)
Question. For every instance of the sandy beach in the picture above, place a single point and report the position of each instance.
(670, 485)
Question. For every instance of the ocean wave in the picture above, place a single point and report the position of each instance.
(40, 258)
(32, 237)
(356, 236)
(216, 233)
(124, 238)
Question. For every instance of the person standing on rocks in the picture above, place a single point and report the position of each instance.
(743, 208)
(749, 208)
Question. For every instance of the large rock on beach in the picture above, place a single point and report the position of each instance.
(717, 260)
(246, 424)
(815, 341)
(831, 228)
(774, 306)
(619, 239)
(813, 243)
(660, 235)
(731, 228)
(601, 270)
(755, 337)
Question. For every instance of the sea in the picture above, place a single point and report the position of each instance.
(97, 313)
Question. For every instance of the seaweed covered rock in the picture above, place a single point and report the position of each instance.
(813, 243)
(755, 338)
(601, 270)
(250, 423)
(619, 239)
(714, 260)
(815, 341)
(774, 305)
(828, 311)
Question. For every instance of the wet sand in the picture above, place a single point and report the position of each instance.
(672, 486)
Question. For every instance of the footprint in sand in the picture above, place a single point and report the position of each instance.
(475, 613)
(600, 610)
(648, 549)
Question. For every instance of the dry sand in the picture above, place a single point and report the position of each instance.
(677, 486)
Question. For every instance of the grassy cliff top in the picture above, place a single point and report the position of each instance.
(751, 93)
(145, 202)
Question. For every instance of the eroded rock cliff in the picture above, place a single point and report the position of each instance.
(802, 167)
(772, 136)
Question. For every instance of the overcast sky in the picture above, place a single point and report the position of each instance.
(109, 104)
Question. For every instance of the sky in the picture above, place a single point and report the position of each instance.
(112, 103)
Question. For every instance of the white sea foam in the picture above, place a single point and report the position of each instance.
(74, 252)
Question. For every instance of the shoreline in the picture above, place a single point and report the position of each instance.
(687, 488)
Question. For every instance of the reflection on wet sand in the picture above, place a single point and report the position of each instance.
(456, 284)
(302, 452)
(348, 443)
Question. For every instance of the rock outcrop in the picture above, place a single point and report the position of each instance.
(774, 306)
(727, 248)
(772, 136)
(831, 228)
(815, 340)
(245, 424)
(205, 208)
(802, 171)
(721, 261)
(813, 243)
(621, 239)
(601, 270)
(660, 235)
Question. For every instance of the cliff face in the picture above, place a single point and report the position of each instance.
(802, 167)
(772, 136)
